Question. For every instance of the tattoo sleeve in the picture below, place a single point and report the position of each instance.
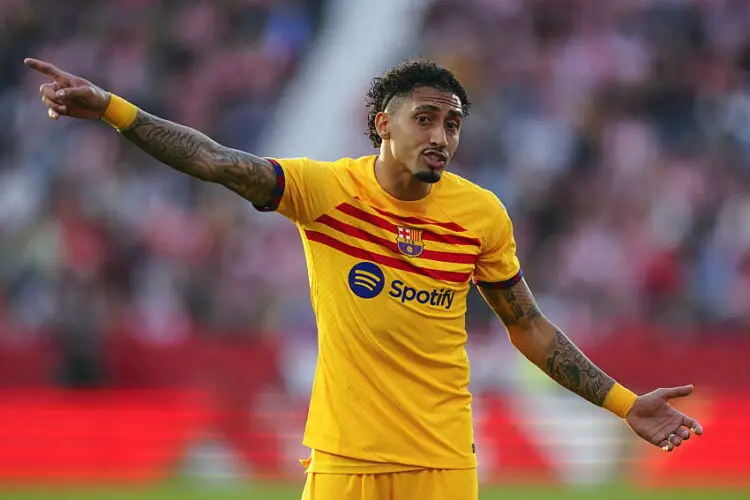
(195, 154)
(515, 306)
(545, 345)
(573, 370)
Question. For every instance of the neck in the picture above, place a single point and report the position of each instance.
(397, 181)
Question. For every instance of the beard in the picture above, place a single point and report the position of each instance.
(428, 176)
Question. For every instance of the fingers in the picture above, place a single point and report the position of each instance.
(683, 433)
(692, 424)
(666, 446)
(53, 92)
(676, 438)
(678, 392)
(74, 93)
(49, 89)
(59, 109)
(670, 443)
(56, 108)
(45, 68)
(57, 98)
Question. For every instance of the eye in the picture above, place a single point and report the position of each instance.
(452, 125)
(422, 119)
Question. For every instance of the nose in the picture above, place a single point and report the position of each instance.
(438, 138)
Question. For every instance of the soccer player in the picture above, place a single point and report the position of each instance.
(393, 242)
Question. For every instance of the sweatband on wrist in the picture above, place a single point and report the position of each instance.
(619, 400)
(119, 113)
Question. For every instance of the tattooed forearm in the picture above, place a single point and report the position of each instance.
(515, 306)
(545, 345)
(567, 365)
(521, 304)
(195, 154)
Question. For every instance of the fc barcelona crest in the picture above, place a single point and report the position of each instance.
(410, 241)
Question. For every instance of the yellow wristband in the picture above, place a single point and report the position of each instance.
(119, 113)
(619, 400)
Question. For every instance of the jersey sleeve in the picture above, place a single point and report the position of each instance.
(498, 265)
(305, 189)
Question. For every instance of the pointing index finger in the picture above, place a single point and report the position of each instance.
(44, 67)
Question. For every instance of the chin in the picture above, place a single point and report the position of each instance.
(429, 176)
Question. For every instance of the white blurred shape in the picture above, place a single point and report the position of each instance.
(320, 114)
(20, 198)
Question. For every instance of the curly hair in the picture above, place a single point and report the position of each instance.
(404, 79)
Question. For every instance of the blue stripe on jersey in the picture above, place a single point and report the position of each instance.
(502, 284)
(278, 189)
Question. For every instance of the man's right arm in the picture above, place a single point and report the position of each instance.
(196, 154)
(180, 147)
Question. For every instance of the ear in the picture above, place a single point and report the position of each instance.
(383, 125)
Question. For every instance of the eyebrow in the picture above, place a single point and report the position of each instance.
(431, 107)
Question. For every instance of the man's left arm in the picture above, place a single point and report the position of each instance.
(545, 345)
(548, 347)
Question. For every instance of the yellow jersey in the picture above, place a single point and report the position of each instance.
(388, 285)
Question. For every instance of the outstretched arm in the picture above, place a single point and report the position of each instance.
(195, 154)
(544, 344)
(180, 147)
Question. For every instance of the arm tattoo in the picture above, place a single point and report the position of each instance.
(521, 304)
(545, 345)
(515, 305)
(195, 154)
(569, 367)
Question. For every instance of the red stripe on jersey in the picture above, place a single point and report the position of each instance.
(380, 222)
(450, 226)
(343, 227)
(391, 262)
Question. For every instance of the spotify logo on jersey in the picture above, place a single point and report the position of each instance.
(366, 280)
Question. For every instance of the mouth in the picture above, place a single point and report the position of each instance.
(436, 160)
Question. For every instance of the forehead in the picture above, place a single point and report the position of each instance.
(428, 96)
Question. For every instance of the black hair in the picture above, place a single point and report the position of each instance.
(402, 80)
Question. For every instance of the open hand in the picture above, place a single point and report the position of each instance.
(68, 94)
(658, 422)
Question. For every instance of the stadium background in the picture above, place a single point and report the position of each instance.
(156, 332)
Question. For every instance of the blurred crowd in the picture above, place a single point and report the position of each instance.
(617, 135)
(96, 236)
(615, 132)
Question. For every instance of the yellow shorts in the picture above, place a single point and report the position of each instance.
(427, 484)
